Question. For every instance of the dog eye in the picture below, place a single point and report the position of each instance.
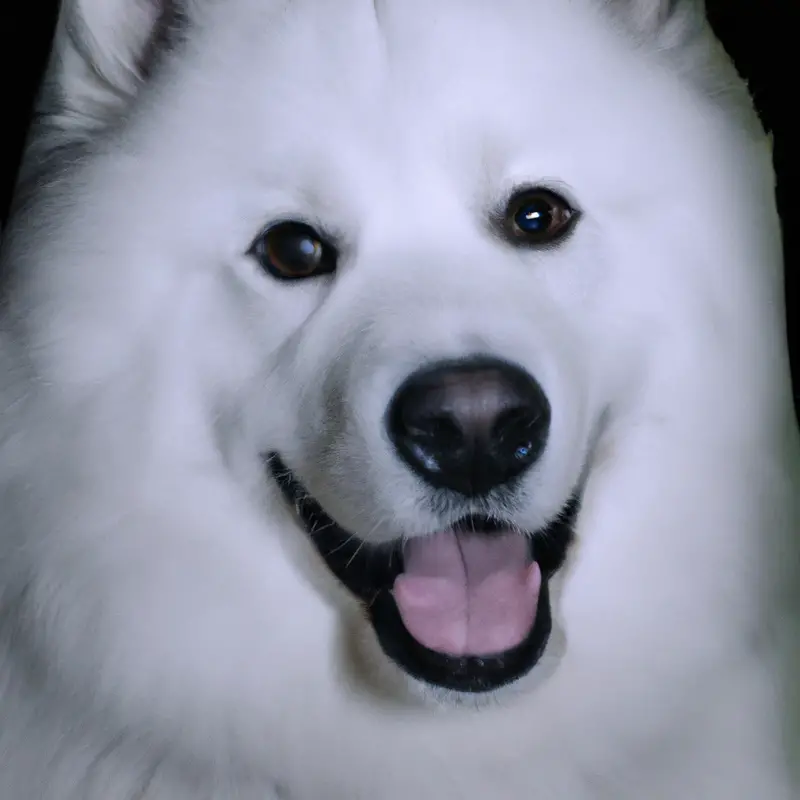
(292, 251)
(538, 216)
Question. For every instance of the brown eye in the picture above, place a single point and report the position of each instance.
(538, 216)
(292, 251)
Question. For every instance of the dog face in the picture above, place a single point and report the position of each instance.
(451, 284)
(476, 300)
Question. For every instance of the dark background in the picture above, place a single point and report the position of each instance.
(757, 34)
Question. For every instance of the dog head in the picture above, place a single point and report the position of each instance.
(425, 323)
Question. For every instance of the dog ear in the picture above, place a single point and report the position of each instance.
(671, 22)
(103, 52)
(680, 30)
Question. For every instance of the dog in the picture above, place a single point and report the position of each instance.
(396, 404)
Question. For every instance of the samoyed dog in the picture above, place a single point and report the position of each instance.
(396, 406)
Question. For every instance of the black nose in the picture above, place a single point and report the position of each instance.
(469, 426)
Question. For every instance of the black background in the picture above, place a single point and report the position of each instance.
(757, 34)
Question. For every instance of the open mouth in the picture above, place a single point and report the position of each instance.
(466, 608)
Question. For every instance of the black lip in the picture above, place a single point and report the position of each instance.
(368, 571)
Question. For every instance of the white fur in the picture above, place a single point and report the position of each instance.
(166, 631)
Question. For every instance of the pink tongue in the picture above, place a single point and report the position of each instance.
(462, 594)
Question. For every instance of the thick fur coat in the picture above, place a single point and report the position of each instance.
(167, 629)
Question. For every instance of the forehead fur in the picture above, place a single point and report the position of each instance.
(106, 50)
(374, 92)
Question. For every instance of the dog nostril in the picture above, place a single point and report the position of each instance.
(515, 433)
(429, 436)
(469, 426)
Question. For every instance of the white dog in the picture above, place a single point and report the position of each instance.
(395, 406)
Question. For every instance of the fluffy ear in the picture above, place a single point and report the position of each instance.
(680, 30)
(671, 22)
(103, 52)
